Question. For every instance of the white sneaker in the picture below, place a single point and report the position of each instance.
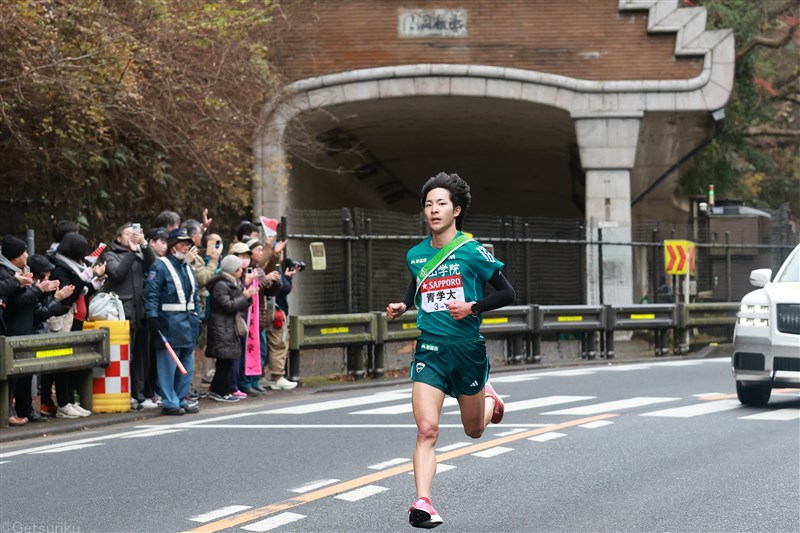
(68, 411)
(81, 411)
(283, 384)
(157, 400)
(149, 404)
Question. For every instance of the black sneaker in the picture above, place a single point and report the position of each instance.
(250, 391)
(191, 409)
(172, 411)
(35, 417)
(193, 395)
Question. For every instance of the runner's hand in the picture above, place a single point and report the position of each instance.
(459, 310)
(395, 310)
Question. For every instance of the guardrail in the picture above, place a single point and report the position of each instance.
(353, 331)
(521, 326)
(26, 355)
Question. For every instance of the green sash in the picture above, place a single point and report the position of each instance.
(434, 262)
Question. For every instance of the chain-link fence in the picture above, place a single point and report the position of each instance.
(546, 259)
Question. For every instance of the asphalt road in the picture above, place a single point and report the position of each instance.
(659, 446)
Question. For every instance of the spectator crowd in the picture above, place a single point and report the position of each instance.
(180, 288)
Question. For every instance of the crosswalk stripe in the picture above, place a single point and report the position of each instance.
(399, 409)
(544, 437)
(606, 407)
(360, 493)
(788, 413)
(689, 411)
(218, 513)
(391, 462)
(314, 485)
(70, 448)
(274, 521)
(493, 452)
(339, 404)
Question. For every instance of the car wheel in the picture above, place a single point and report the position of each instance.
(755, 395)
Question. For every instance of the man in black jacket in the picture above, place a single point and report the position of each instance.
(127, 261)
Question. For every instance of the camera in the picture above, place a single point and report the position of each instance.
(297, 266)
(249, 270)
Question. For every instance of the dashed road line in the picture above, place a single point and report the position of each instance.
(596, 424)
(70, 448)
(547, 436)
(607, 407)
(778, 414)
(689, 411)
(274, 522)
(492, 452)
(219, 513)
(391, 462)
(361, 493)
(314, 485)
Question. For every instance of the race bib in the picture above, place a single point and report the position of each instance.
(437, 293)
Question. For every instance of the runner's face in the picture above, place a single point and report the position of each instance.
(439, 210)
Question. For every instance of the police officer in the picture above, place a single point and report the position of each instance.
(172, 304)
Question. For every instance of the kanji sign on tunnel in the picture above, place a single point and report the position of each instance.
(679, 257)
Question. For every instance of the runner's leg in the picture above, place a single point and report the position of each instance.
(476, 412)
(426, 402)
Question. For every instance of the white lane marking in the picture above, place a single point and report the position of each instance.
(274, 521)
(361, 493)
(4, 462)
(154, 433)
(390, 462)
(219, 513)
(706, 394)
(568, 373)
(690, 362)
(454, 446)
(493, 452)
(339, 426)
(314, 485)
(338, 404)
(623, 368)
(704, 408)
(596, 424)
(605, 407)
(71, 448)
(546, 401)
(515, 379)
(440, 467)
(399, 409)
(544, 437)
(512, 432)
(79, 441)
(788, 413)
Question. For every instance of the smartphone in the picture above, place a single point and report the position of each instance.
(211, 246)
(284, 234)
(249, 270)
(136, 227)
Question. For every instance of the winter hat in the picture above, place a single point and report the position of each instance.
(13, 247)
(39, 264)
(239, 248)
(230, 264)
(73, 246)
(253, 244)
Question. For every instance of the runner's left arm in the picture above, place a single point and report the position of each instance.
(411, 291)
(504, 294)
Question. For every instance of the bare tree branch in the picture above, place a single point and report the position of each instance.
(769, 42)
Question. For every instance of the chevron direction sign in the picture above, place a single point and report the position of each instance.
(679, 257)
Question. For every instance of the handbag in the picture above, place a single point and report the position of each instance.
(106, 306)
(61, 323)
(240, 326)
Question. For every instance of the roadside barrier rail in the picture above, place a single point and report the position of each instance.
(585, 319)
(657, 317)
(354, 331)
(27, 355)
(522, 326)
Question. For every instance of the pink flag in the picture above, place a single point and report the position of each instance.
(252, 351)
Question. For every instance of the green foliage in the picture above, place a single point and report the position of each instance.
(763, 170)
(112, 110)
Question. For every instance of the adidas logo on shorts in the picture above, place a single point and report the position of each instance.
(474, 384)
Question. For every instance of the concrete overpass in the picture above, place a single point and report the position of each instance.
(556, 109)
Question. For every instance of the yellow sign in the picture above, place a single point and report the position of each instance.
(334, 331)
(643, 316)
(577, 318)
(57, 352)
(498, 320)
(409, 325)
(679, 257)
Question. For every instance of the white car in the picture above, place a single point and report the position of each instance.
(766, 339)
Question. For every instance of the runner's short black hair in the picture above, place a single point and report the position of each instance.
(459, 192)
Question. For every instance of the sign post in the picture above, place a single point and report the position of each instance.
(679, 259)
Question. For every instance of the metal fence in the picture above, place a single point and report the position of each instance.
(546, 259)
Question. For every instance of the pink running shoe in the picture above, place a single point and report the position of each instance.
(422, 514)
(239, 394)
(499, 406)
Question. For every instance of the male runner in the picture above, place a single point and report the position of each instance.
(450, 357)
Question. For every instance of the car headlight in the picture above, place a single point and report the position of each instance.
(759, 315)
(755, 309)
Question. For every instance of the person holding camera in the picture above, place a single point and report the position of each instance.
(278, 326)
(226, 325)
(127, 260)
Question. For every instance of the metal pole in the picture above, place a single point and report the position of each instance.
(348, 260)
(728, 283)
(600, 263)
(369, 265)
(527, 248)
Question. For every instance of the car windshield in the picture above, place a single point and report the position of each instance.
(791, 274)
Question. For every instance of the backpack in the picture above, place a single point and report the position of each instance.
(106, 306)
